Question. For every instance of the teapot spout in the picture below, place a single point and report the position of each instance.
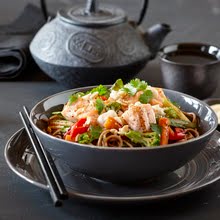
(155, 36)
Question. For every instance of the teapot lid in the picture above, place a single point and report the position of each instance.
(92, 15)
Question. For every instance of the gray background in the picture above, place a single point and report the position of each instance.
(191, 20)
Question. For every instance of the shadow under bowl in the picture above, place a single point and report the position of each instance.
(124, 165)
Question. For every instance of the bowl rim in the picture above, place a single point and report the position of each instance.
(207, 133)
(213, 101)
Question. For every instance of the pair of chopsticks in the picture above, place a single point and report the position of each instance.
(57, 189)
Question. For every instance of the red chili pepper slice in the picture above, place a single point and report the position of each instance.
(176, 134)
(78, 128)
(80, 123)
(104, 98)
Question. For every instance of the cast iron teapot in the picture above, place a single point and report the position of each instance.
(95, 44)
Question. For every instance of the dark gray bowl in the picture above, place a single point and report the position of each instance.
(126, 164)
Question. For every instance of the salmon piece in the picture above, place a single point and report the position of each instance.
(131, 116)
(139, 117)
(82, 108)
(71, 112)
(150, 113)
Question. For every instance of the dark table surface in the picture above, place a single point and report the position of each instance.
(190, 21)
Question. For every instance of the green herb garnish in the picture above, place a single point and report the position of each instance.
(156, 128)
(182, 123)
(140, 85)
(102, 90)
(146, 96)
(99, 105)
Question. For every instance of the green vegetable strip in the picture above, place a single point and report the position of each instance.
(180, 114)
(181, 123)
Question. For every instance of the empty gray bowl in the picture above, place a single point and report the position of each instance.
(123, 165)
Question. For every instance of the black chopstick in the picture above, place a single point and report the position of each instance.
(54, 181)
(50, 163)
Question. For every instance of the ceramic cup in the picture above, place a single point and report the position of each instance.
(191, 68)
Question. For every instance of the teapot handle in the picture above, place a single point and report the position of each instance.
(44, 10)
(141, 17)
(143, 12)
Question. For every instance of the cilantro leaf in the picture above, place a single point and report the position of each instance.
(146, 96)
(102, 90)
(134, 86)
(99, 105)
(140, 85)
(156, 128)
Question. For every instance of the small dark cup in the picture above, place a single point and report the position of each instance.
(191, 68)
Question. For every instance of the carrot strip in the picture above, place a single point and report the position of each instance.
(164, 123)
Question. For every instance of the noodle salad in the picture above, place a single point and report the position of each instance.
(134, 114)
